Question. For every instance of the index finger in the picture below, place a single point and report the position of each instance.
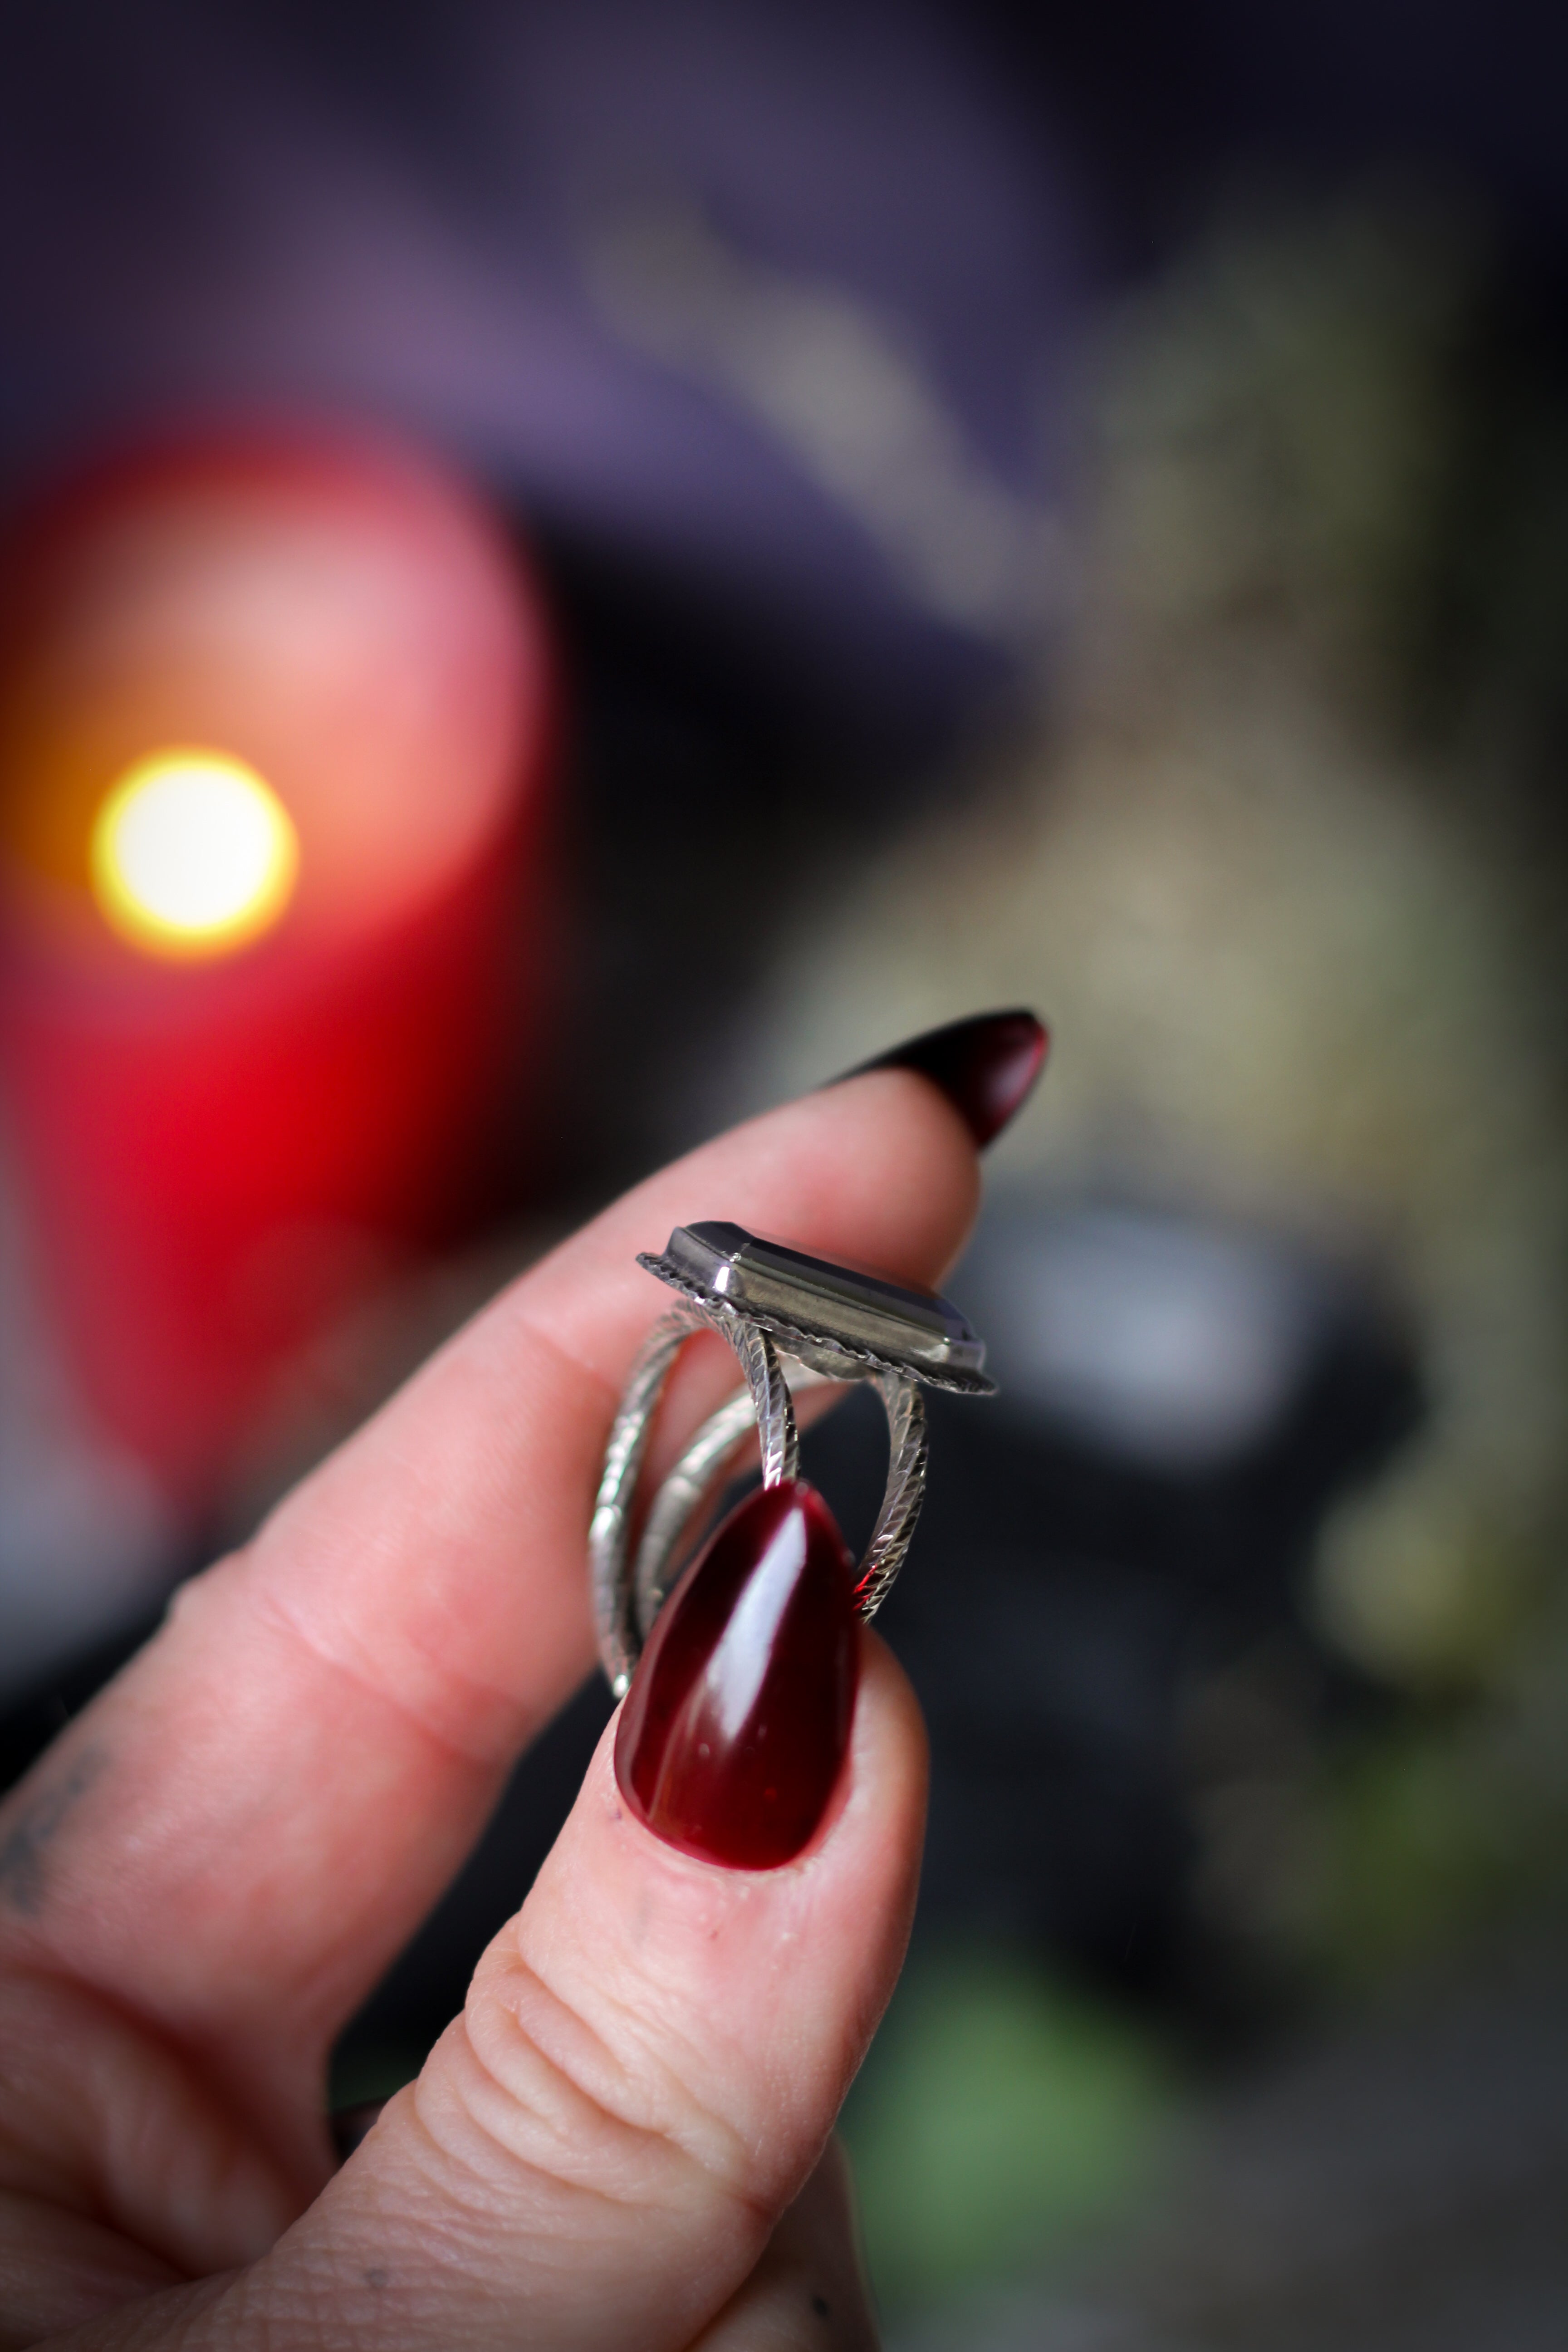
(291, 1770)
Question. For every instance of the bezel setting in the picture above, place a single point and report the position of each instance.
(818, 1311)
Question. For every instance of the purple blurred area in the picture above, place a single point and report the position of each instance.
(551, 239)
(410, 213)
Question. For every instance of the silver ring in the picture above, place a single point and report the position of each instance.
(830, 1323)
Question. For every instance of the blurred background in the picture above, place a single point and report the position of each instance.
(1075, 511)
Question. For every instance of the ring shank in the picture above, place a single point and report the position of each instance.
(627, 1597)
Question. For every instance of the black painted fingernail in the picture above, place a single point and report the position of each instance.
(986, 1065)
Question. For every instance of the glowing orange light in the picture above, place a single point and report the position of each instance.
(193, 854)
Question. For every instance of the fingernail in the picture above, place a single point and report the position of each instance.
(736, 1726)
(986, 1065)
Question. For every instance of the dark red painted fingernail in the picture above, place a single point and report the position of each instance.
(986, 1065)
(737, 1723)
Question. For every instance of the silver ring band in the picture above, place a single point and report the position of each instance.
(690, 1480)
(627, 1594)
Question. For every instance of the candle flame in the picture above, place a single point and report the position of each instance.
(193, 854)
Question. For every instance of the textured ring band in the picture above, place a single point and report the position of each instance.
(832, 1322)
(693, 1474)
(615, 1614)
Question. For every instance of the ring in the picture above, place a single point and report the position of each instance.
(775, 1306)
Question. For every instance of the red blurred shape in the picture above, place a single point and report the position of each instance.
(217, 1153)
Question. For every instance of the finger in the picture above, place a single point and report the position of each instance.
(645, 2075)
(292, 1770)
(117, 2169)
(59, 2269)
(808, 2293)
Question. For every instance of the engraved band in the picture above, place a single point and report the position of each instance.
(627, 1596)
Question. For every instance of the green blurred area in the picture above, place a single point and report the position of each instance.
(1434, 1835)
(1001, 2120)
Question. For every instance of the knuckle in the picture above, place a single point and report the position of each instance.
(598, 2106)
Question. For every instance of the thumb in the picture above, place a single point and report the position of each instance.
(645, 2072)
(809, 2292)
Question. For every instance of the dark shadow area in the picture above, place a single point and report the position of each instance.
(719, 780)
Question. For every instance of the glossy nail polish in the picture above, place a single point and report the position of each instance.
(736, 1726)
(986, 1065)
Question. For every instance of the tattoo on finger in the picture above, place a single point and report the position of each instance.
(25, 1846)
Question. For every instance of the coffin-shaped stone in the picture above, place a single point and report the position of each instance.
(914, 1330)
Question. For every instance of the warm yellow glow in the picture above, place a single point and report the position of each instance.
(193, 854)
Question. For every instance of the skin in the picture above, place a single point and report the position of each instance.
(625, 2139)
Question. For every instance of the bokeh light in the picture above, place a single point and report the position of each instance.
(193, 854)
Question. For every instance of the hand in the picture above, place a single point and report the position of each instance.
(620, 2142)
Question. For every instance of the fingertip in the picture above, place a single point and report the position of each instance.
(986, 1065)
(881, 1164)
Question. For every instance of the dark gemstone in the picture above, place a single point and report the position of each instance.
(845, 1305)
(986, 1065)
(735, 1730)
